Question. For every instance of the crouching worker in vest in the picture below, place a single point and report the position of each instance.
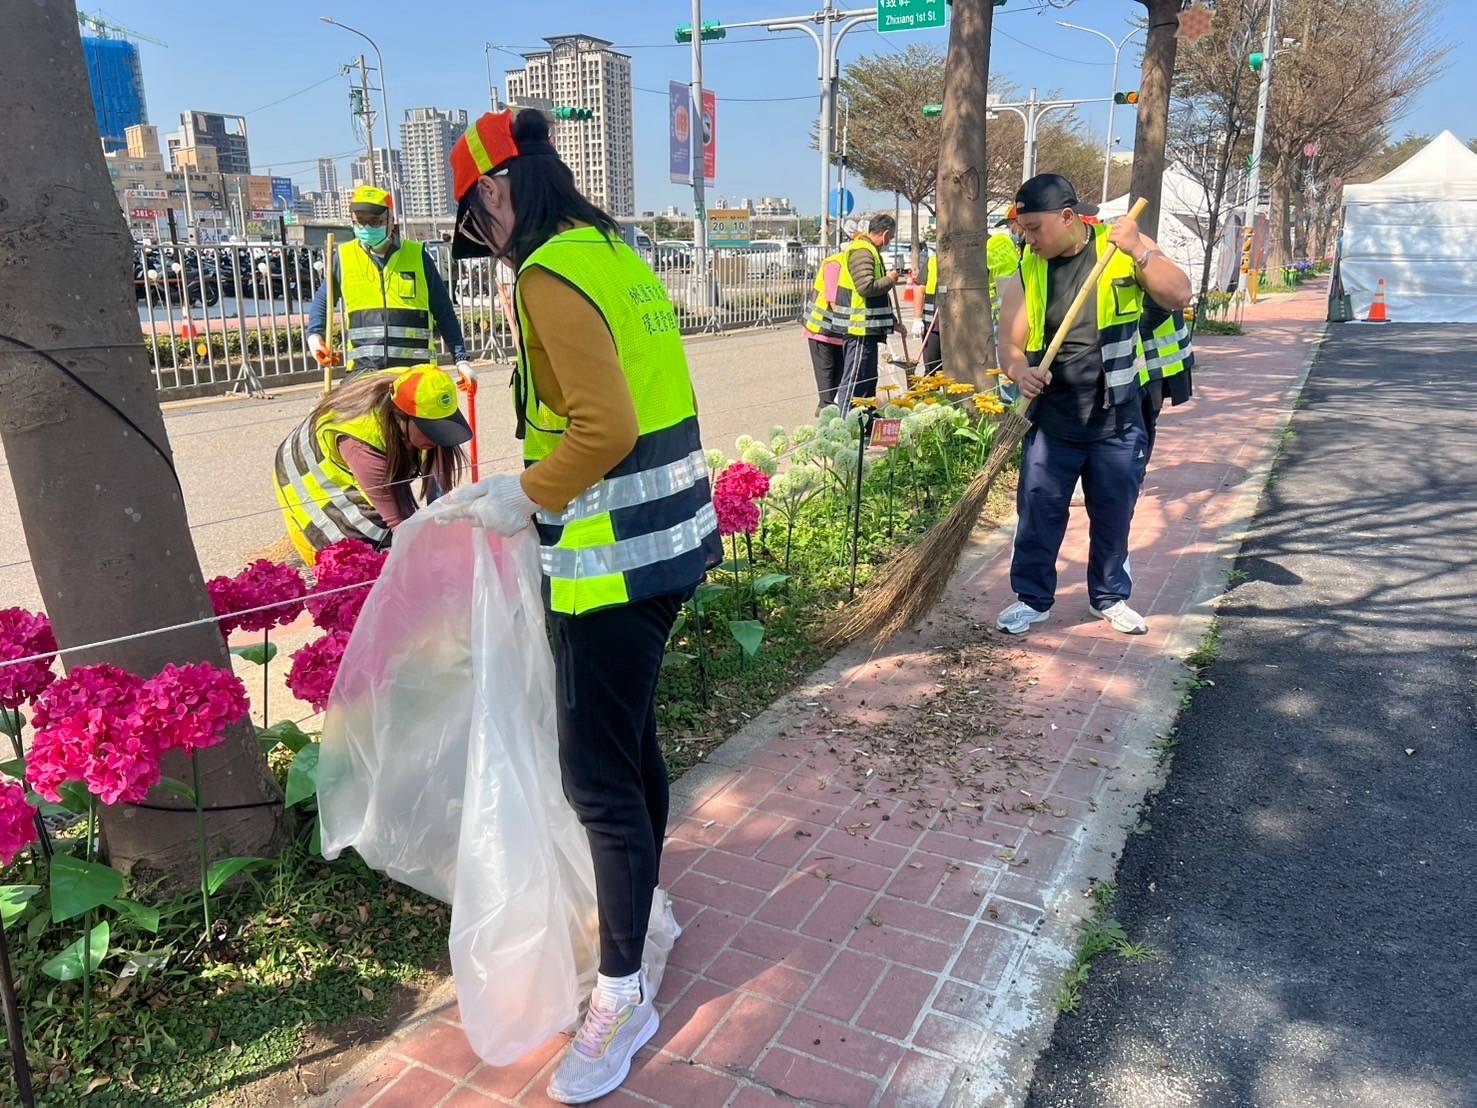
(393, 296)
(346, 471)
(1087, 409)
(618, 489)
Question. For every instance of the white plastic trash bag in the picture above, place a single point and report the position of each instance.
(439, 765)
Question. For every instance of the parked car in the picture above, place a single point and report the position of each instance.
(776, 258)
(638, 240)
(673, 254)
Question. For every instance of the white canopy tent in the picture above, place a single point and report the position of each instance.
(1416, 227)
(1185, 213)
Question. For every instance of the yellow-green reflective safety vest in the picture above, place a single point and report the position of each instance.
(320, 496)
(869, 316)
(1166, 340)
(389, 309)
(1120, 304)
(1003, 260)
(823, 318)
(930, 292)
(648, 527)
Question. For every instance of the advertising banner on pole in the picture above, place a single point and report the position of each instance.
(680, 132)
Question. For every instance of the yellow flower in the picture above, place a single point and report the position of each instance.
(888, 389)
(997, 373)
(960, 389)
(988, 405)
(863, 402)
(904, 402)
(930, 400)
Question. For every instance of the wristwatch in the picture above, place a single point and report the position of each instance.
(1149, 253)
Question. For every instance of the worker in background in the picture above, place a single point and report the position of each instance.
(931, 360)
(615, 472)
(346, 471)
(865, 297)
(825, 331)
(1168, 360)
(1087, 409)
(392, 294)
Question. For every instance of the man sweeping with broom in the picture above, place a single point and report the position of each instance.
(1086, 410)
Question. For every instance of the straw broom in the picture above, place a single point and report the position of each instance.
(909, 586)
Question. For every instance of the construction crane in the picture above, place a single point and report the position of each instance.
(103, 29)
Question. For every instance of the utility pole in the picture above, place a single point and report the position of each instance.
(1254, 184)
(189, 205)
(103, 516)
(363, 107)
(492, 97)
(963, 200)
(699, 162)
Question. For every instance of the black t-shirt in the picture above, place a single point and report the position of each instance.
(1073, 407)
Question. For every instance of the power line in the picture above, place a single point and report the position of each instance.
(1048, 53)
(737, 99)
(294, 95)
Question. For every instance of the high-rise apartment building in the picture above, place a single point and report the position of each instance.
(327, 175)
(226, 134)
(581, 71)
(117, 80)
(426, 138)
(387, 168)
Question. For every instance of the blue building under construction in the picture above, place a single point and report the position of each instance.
(117, 81)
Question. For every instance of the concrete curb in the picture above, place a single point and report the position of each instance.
(1020, 1027)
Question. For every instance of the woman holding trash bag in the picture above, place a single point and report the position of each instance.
(346, 470)
(616, 483)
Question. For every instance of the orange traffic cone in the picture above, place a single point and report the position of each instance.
(1377, 313)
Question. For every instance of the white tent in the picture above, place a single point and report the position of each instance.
(1416, 227)
(1185, 214)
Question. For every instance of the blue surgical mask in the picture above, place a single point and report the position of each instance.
(372, 237)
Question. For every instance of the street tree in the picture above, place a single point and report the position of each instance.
(891, 145)
(1151, 129)
(964, 196)
(89, 458)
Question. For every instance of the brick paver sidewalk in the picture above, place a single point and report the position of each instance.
(879, 878)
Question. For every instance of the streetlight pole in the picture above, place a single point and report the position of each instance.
(1112, 101)
(1032, 111)
(487, 49)
(699, 160)
(1254, 184)
(384, 99)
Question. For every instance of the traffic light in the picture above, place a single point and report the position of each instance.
(932, 111)
(565, 112)
(1256, 61)
(1129, 97)
(711, 30)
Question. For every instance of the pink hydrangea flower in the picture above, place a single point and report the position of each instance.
(86, 730)
(23, 634)
(189, 708)
(735, 498)
(17, 822)
(261, 583)
(350, 562)
(314, 668)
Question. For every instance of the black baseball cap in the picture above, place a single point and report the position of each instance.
(1050, 192)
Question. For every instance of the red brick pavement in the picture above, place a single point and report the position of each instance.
(835, 955)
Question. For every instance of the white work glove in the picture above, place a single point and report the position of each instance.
(464, 371)
(497, 503)
(316, 345)
(917, 328)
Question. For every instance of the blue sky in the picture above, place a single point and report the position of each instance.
(242, 58)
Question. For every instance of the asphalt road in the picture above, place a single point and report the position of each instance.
(747, 382)
(1308, 878)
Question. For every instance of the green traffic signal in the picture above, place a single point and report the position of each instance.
(1256, 61)
(711, 30)
(573, 113)
(932, 111)
(1129, 97)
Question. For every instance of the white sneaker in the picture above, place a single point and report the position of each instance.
(669, 916)
(1122, 619)
(599, 1059)
(1017, 619)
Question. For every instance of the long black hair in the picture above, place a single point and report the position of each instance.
(544, 194)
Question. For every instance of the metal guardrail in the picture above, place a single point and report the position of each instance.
(225, 318)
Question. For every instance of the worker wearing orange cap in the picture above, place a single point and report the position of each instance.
(392, 294)
(617, 485)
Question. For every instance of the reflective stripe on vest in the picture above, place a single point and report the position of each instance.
(870, 316)
(648, 527)
(1167, 349)
(320, 497)
(1120, 304)
(930, 291)
(386, 305)
(822, 318)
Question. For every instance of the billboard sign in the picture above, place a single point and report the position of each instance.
(680, 134)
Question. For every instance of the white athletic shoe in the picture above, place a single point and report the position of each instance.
(670, 917)
(1017, 619)
(599, 1059)
(1122, 619)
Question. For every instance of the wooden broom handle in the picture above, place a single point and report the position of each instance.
(1086, 292)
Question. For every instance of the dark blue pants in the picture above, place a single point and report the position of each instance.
(1112, 470)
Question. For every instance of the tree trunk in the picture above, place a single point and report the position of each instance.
(1155, 85)
(103, 515)
(1217, 205)
(963, 202)
(1278, 249)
